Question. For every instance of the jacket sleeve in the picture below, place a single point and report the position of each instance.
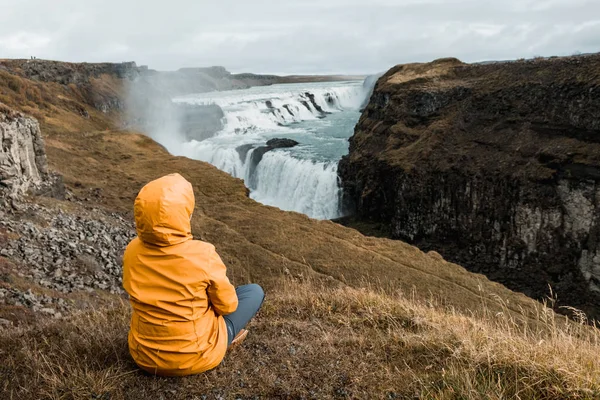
(221, 292)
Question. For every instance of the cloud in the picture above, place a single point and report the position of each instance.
(24, 42)
(309, 36)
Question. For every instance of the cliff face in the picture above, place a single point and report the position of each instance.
(22, 155)
(495, 166)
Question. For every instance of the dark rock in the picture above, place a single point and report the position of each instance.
(495, 166)
(305, 104)
(288, 109)
(317, 107)
(258, 153)
(281, 143)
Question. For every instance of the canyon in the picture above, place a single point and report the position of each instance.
(346, 315)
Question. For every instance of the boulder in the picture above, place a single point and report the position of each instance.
(281, 143)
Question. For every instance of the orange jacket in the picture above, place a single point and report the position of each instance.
(177, 286)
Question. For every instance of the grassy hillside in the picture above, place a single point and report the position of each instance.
(315, 341)
(346, 316)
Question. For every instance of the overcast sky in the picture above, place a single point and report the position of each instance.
(307, 36)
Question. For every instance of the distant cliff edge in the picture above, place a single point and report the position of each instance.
(175, 83)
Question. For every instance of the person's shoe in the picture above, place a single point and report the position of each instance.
(238, 339)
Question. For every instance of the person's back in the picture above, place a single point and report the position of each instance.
(178, 286)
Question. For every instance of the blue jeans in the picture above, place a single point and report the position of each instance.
(250, 298)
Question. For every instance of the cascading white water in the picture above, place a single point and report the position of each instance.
(298, 185)
(224, 157)
(247, 112)
(303, 178)
(280, 179)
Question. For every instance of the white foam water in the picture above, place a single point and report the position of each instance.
(304, 178)
(298, 185)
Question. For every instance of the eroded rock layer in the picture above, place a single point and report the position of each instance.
(496, 166)
(22, 155)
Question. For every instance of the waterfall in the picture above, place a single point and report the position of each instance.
(304, 186)
(293, 179)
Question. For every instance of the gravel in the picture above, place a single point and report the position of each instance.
(63, 252)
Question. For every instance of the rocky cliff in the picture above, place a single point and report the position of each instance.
(22, 155)
(496, 166)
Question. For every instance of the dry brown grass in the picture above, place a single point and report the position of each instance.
(59, 108)
(313, 341)
(18, 93)
(422, 72)
(259, 242)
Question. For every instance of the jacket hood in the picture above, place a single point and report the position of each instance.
(163, 209)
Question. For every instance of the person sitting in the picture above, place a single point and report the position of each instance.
(186, 313)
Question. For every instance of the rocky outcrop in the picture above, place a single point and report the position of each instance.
(278, 143)
(259, 152)
(495, 166)
(22, 155)
(272, 144)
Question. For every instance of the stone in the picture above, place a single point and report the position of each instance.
(278, 143)
(22, 154)
(49, 248)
